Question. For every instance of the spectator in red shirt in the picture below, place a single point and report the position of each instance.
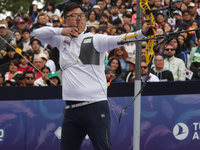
(23, 66)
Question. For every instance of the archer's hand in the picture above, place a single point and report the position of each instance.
(146, 27)
(70, 31)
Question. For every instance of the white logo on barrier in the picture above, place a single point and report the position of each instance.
(1, 134)
(180, 131)
(58, 132)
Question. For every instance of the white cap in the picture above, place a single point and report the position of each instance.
(96, 6)
(43, 55)
(177, 12)
(2, 26)
(191, 4)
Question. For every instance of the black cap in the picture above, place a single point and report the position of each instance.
(56, 20)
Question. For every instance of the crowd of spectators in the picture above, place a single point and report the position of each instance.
(26, 61)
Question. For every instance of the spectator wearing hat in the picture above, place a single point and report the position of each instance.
(114, 12)
(187, 17)
(179, 21)
(23, 59)
(144, 71)
(44, 58)
(110, 76)
(26, 33)
(131, 71)
(174, 64)
(22, 25)
(4, 21)
(29, 78)
(54, 79)
(7, 37)
(178, 3)
(86, 5)
(96, 8)
(2, 78)
(56, 22)
(193, 11)
(92, 19)
(42, 80)
(159, 70)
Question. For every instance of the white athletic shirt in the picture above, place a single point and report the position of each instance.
(81, 82)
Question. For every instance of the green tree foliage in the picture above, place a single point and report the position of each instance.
(19, 6)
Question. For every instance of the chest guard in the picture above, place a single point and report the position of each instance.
(88, 54)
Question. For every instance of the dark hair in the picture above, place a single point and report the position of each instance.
(31, 9)
(70, 6)
(193, 22)
(42, 14)
(91, 12)
(3, 75)
(39, 42)
(186, 11)
(169, 25)
(26, 30)
(50, 54)
(103, 15)
(15, 62)
(183, 47)
(24, 54)
(178, 49)
(119, 68)
(9, 48)
(28, 72)
(52, 4)
(127, 15)
(45, 67)
(188, 39)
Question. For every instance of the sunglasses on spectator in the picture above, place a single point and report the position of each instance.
(18, 17)
(144, 67)
(119, 49)
(167, 49)
(27, 78)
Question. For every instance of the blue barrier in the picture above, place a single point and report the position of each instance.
(168, 122)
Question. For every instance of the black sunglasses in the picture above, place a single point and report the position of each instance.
(143, 67)
(29, 78)
(169, 49)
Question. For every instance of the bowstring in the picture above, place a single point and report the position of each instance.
(27, 60)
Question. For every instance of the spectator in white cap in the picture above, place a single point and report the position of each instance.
(97, 9)
(179, 21)
(5, 36)
(193, 11)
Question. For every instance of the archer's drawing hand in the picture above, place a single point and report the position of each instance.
(71, 32)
